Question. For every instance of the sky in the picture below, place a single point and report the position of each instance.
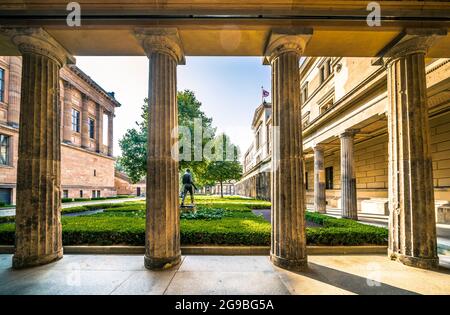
(229, 89)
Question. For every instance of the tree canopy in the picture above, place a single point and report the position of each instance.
(192, 123)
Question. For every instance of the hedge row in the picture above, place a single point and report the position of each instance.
(191, 235)
(65, 200)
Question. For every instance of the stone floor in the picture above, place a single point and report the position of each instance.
(125, 274)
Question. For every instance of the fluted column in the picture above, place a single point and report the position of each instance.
(319, 180)
(349, 205)
(412, 225)
(85, 122)
(67, 113)
(288, 249)
(110, 134)
(162, 246)
(99, 128)
(38, 209)
(14, 86)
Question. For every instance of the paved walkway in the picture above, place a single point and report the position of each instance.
(116, 274)
(12, 211)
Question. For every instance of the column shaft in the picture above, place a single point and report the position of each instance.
(14, 86)
(110, 134)
(38, 210)
(288, 192)
(319, 181)
(349, 204)
(412, 225)
(163, 232)
(85, 122)
(99, 127)
(67, 113)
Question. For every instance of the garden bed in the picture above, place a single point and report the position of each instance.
(227, 221)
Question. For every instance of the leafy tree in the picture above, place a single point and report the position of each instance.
(225, 165)
(134, 142)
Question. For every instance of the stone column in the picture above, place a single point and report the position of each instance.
(412, 224)
(38, 210)
(99, 127)
(85, 122)
(67, 113)
(288, 248)
(164, 51)
(15, 78)
(349, 205)
(110, 133)
(319, 180)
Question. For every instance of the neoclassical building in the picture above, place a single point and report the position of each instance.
(344, 105)
(255, 181)
(87, 113)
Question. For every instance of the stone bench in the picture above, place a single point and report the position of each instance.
(378, 206)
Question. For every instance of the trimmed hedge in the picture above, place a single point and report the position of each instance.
(66, 200)
(221, 222)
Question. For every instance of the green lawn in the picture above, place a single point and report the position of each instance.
(218, 221)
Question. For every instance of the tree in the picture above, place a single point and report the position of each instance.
(225, 166)
(134, 142)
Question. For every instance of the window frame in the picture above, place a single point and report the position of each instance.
(329, 180)
(91, 128)
(2, 85)
(76, 120)
(7, 146)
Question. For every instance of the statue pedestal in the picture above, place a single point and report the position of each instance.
(188, 208)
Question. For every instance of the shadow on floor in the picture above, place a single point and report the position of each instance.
(351, 282)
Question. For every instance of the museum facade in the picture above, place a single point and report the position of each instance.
(87, 114)
(344, 101)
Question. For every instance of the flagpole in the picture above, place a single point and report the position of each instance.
(262, 95)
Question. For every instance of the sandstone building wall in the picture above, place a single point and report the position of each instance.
(87, 163)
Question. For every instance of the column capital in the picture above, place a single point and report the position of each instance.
(349, 133)
(67, 85)
(38, 41)
(318, 147)
(86, 98)
(161, 40)
(286, 40)
(414, 41)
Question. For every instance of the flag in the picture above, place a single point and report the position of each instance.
(265, 93)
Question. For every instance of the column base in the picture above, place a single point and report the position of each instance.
(26, 262)
(417, 262)
(289, 264)
(350, 218)
(154, 263)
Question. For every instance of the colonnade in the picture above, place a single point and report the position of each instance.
(412, 232)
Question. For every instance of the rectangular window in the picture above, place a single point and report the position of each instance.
(94, 194)
(304, 93)
(322, 74)
(75, 120)
(65, 193)
(2, 85)
(329, 177)
(91, 128)
(306, 181)
(4, 150)
(98, 194)
(81, 194)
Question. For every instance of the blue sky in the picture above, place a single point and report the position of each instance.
(228, 87)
